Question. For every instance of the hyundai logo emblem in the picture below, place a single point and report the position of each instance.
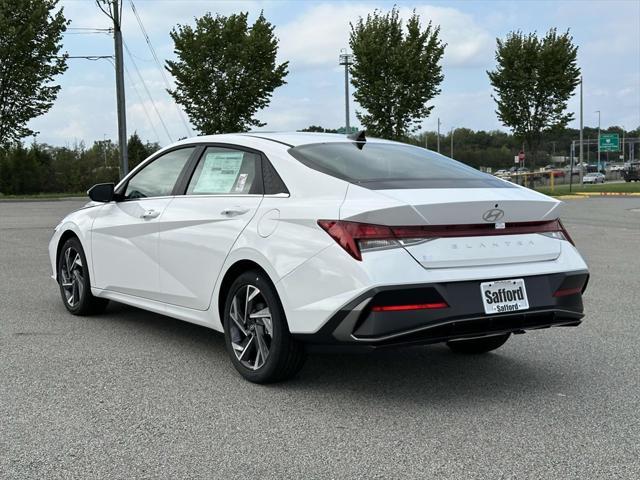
(493, 215)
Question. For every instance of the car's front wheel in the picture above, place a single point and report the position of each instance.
(256, 331)
(73, 278)
(478, 345)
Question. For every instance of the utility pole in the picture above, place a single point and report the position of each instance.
(346, 59)
(598, 112)
(572, 155)
(104, 148)
(452, 130)
(581, 134)
(438, 134)
(113, 10)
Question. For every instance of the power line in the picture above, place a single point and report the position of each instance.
(157, 61)
(144, 84)
(87, 57)
(92, 29)
(146, 112)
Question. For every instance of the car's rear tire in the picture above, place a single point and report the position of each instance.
(256, 332)
(476, 346)
(74, 281)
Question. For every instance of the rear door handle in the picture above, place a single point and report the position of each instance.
(234, 211)
(150, 214)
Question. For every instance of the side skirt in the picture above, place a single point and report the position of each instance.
(197, 317)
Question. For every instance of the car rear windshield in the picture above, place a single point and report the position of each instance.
(380, 166)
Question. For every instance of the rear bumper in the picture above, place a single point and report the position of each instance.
(357, 324)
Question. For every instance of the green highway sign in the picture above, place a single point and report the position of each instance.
(609, 142)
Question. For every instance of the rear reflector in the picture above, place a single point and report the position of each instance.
(354, 236)
(567, 291)
(400, 308)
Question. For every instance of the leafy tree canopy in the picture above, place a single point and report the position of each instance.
(226, 71)
(30, 42)
(533, 81)
(318, 128)
(396, 71)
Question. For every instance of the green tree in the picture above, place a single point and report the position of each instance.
(226, 71)
(533, 81)
(30, 42)
(395, 73)
(139, 151)
(318, 129)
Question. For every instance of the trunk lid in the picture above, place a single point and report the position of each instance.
(461, 206)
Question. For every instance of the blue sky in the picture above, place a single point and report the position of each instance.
(311, 35)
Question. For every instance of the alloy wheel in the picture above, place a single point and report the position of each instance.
(72, 276)
(251, 328)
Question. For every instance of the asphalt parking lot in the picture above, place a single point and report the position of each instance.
(131, 394)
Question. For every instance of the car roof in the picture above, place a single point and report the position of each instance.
(289, 139)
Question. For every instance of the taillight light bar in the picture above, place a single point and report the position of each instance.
(404, 308)
(349, 235)
(565, 292)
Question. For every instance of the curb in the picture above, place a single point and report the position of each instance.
(572, 196)
(608, 194)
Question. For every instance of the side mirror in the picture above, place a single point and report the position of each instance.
(102, 192)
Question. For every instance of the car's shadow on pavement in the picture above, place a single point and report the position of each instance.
(429, 374)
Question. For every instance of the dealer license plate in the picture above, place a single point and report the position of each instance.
(504, 296)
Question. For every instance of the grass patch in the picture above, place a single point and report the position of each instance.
(43, 196)
(631, 187)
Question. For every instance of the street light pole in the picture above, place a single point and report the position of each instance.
(598, 112)
(438, 134)
(346, 59)
(581, 133)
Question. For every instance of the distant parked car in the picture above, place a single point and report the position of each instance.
(593, 178)
(632, 173)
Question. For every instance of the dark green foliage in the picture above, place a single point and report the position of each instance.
(139, 151)
(45, 169)
(534, 79)
(395, 72)
(30, 41)
(319, 129)
(226, 71)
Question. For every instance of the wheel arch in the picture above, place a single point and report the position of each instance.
(230, 275)
(66, 235)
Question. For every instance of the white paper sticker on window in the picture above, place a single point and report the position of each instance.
(219, 172)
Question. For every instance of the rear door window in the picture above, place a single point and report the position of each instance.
(226, 171)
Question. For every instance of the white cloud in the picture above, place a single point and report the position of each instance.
(317, 35)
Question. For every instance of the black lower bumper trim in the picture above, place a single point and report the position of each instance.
(358, 324)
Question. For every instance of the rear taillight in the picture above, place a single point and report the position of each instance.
(357, 237)
(409, 306)
(565, 292)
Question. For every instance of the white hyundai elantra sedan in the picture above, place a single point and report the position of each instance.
(286, 241)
